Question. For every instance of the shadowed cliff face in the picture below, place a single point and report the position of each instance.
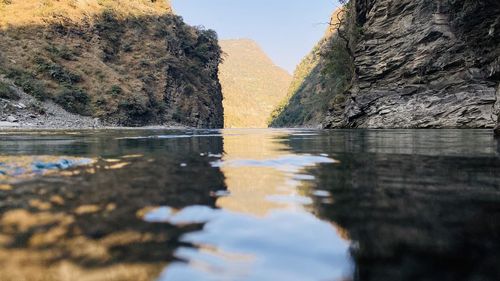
(424, 64)
(131, 63)
(311, 91)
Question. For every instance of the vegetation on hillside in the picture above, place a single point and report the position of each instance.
(126, 62)
(6, 92)
(322, 78)
(252, 84)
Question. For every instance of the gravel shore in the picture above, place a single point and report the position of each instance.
(29, 113)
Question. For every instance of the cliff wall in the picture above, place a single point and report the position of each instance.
(424, 64)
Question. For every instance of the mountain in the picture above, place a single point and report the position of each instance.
(125, 62)
(252, 84)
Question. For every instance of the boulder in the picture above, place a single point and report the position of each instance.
(12, 119)
(4, 124)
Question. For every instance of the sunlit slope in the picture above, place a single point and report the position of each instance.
(126, 62)
(30, 12)
(252, 84)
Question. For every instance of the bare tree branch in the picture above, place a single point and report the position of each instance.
(340, 26)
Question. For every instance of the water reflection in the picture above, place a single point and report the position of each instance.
(417, 205)
(88, 225)
(258, 232)
(234, 246)
(252, 205)
(250, 186)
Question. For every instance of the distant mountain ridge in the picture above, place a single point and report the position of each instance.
(252, 84)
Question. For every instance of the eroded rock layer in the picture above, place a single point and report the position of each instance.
(424, 64)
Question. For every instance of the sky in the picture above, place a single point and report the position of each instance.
(287, 30)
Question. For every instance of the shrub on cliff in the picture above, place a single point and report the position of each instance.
(28, 83)
(56, 72)
(323, 77)
(339, 53)
(74, 100)
(6, 92)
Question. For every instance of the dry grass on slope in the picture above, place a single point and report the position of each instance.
(126, 62)
(15, 13)
(252, 84)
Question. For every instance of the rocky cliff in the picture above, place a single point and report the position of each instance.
(125, 62)
(252, 84)
(424, 63)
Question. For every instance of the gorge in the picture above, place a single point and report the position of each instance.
(138, 145)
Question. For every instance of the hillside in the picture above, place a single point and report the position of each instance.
(252, 84)
(125, 62)
(311, 92)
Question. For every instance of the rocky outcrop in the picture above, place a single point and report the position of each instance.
(424, 64)
(128, 63)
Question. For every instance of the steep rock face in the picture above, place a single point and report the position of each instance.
(252, 84)
(424, 64)
(129, 63)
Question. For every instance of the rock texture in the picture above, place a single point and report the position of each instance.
(424, 64)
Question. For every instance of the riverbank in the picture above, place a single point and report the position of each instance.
(24, 112)
(21, 110)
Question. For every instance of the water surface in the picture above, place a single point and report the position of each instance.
(249, 205)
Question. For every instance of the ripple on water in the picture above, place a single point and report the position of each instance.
(286, 163)
(23, 167)
(284, 245)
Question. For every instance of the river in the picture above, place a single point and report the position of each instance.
(237, 205)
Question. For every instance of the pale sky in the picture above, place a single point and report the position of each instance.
(287, 30)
